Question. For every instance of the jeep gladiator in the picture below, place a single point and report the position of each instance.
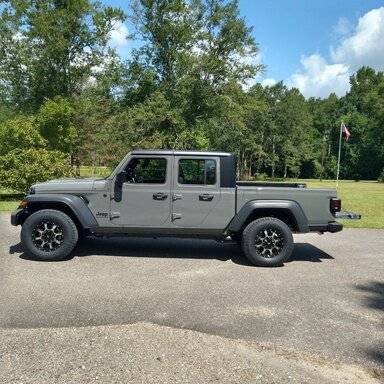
(175, 193)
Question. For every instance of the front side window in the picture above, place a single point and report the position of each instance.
(197, 171)
(146, 170)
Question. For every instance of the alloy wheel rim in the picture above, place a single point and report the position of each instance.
(47, 236)
(269, 242)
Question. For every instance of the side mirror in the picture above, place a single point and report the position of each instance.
(121, 177)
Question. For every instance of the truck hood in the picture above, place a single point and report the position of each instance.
(69, 185)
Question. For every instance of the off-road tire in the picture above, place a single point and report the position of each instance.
(267, 242)
(59, 230)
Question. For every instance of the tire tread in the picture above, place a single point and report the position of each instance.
(65, 249)
(248, 240)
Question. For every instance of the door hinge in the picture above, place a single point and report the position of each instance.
(176, 216)
(114, 215)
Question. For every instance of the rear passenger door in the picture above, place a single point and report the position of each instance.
(196, 190)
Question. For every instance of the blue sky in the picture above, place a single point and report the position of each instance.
(313, 45)
(287, 29)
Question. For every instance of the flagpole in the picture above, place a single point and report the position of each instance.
(338, 159)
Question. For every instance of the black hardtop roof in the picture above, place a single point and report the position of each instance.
(178, 153)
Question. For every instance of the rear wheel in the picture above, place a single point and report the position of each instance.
(267, 242)
(49, 235)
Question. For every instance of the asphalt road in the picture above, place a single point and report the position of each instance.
(327, 302)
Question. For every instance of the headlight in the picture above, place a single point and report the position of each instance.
(31, 191)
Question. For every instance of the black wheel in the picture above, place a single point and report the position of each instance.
(49, 235)
(267, 242)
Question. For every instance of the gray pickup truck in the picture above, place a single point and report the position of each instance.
(175, 193)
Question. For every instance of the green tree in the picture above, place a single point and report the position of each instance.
(227, 49)
(55, 120)
(326, 115)
(19, 133)
(295, 127)
(51, 47)
(168, 28)
(363, 111)
(193, 53)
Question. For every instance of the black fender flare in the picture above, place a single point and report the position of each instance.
(251, 206)
(76, 204)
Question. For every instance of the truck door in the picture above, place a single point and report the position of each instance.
(146, 193)
(196, 191)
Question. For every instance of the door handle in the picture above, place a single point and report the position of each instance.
(177, 196)
(205, 197)
(176, 216)
(159, 196)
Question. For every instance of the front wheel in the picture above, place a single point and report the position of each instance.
(267, 242)
(49, 235)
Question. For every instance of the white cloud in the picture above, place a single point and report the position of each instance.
(366, 45)
(118, 37)
(343, 27)
(319, 79)
(268, 82)
(362, 45)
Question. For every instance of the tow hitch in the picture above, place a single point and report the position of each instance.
(347, 215)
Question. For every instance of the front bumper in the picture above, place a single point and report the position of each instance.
(17, 216)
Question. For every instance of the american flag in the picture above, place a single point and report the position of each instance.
(345, 131)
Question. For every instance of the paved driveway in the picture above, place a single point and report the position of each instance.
(328, 301)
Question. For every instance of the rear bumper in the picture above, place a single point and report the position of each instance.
(332, 226)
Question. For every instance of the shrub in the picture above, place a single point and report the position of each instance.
(261, 176)
(381, 177)
(19, 169)
(19, 132)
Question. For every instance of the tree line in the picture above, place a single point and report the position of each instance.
(67, 97)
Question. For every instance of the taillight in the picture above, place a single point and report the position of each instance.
(335, 205)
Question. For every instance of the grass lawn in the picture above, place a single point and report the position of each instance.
(8, 202)
(88, 171)
(363, 197)
(8, 206)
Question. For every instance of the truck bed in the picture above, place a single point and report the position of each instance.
(313, 201)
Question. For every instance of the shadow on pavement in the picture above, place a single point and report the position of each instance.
(175, 248)
(308, 252)
(374, 298)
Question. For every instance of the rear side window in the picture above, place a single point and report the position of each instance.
(197, 171)
(146, 170)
